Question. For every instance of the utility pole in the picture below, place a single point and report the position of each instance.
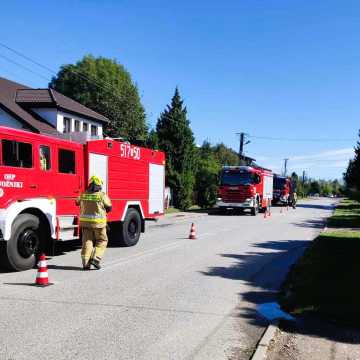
(242, 143)
(285, 166)
(241, 147)
(303, 177)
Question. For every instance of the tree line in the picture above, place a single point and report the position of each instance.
(105, 86)
(352, 174)
(307, 186)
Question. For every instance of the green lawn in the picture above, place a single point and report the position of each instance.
(326, 279)
(347, 214)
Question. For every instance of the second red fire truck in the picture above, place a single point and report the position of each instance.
(245, 187)
(37, 196)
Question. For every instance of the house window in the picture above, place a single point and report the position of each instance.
(94, 130)
(85, 127)
(66, 161)
(44, 157)
(16, 154)
(77, 125)
(67, 125)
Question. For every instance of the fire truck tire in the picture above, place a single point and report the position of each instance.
(21, 249)
(131, 228)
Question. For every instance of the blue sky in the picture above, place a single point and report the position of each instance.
(271, 68)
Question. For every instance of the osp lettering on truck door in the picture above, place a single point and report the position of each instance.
(130, 152)
(8, 182)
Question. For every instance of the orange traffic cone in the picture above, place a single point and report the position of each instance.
(192, 235)
(42, 278)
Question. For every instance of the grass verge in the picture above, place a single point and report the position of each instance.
(325, 280)
(347, 214)
(171, 210)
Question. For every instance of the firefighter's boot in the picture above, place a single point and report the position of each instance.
(95, 263)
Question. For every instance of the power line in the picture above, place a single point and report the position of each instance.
(299, 139)
(317, 160)
(23, 67)
(108, 87)
(95, 82)
(27, 58)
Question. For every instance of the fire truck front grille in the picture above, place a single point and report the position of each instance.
(239, 195)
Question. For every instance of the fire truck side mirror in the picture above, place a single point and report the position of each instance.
(257, 179)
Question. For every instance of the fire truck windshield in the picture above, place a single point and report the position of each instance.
(236, 178)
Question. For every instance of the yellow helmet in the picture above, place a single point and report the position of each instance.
(96, 180)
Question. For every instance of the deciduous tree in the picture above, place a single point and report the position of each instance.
(106, 87)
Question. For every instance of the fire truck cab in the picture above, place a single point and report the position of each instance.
(42, 176)
(245, 187)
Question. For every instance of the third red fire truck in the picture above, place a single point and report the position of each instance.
(282, 189)
(37, 198)
(245, 187)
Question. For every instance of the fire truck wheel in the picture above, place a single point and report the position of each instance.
(131, 228)
(22, 247)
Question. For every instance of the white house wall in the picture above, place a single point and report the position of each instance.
(60, 123)
(7, 120)
(56, 119)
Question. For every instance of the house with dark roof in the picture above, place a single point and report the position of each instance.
(47, 111)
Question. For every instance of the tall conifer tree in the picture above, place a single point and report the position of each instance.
(176, 138)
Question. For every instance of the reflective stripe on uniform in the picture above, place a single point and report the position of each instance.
(92, 218)
(90, 197)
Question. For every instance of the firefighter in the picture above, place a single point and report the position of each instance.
(293, 195)
(94, 204)
(43, 162)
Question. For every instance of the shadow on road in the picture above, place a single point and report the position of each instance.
(316, 327)
(229, 212)
(64, 247)
(316, 206)
(265, 272)
(55, 249)
(21, 284)
(59, 267)
(315, 224)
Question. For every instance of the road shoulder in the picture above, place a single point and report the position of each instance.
(326, 304)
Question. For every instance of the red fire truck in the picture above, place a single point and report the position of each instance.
(245, 187)
(282, 189)
(37, 197)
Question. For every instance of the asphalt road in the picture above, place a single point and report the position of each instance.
(166, 298)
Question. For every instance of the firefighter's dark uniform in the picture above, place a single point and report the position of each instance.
(93, 209)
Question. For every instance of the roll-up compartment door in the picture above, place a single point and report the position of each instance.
(98, 165)
(156, 188)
